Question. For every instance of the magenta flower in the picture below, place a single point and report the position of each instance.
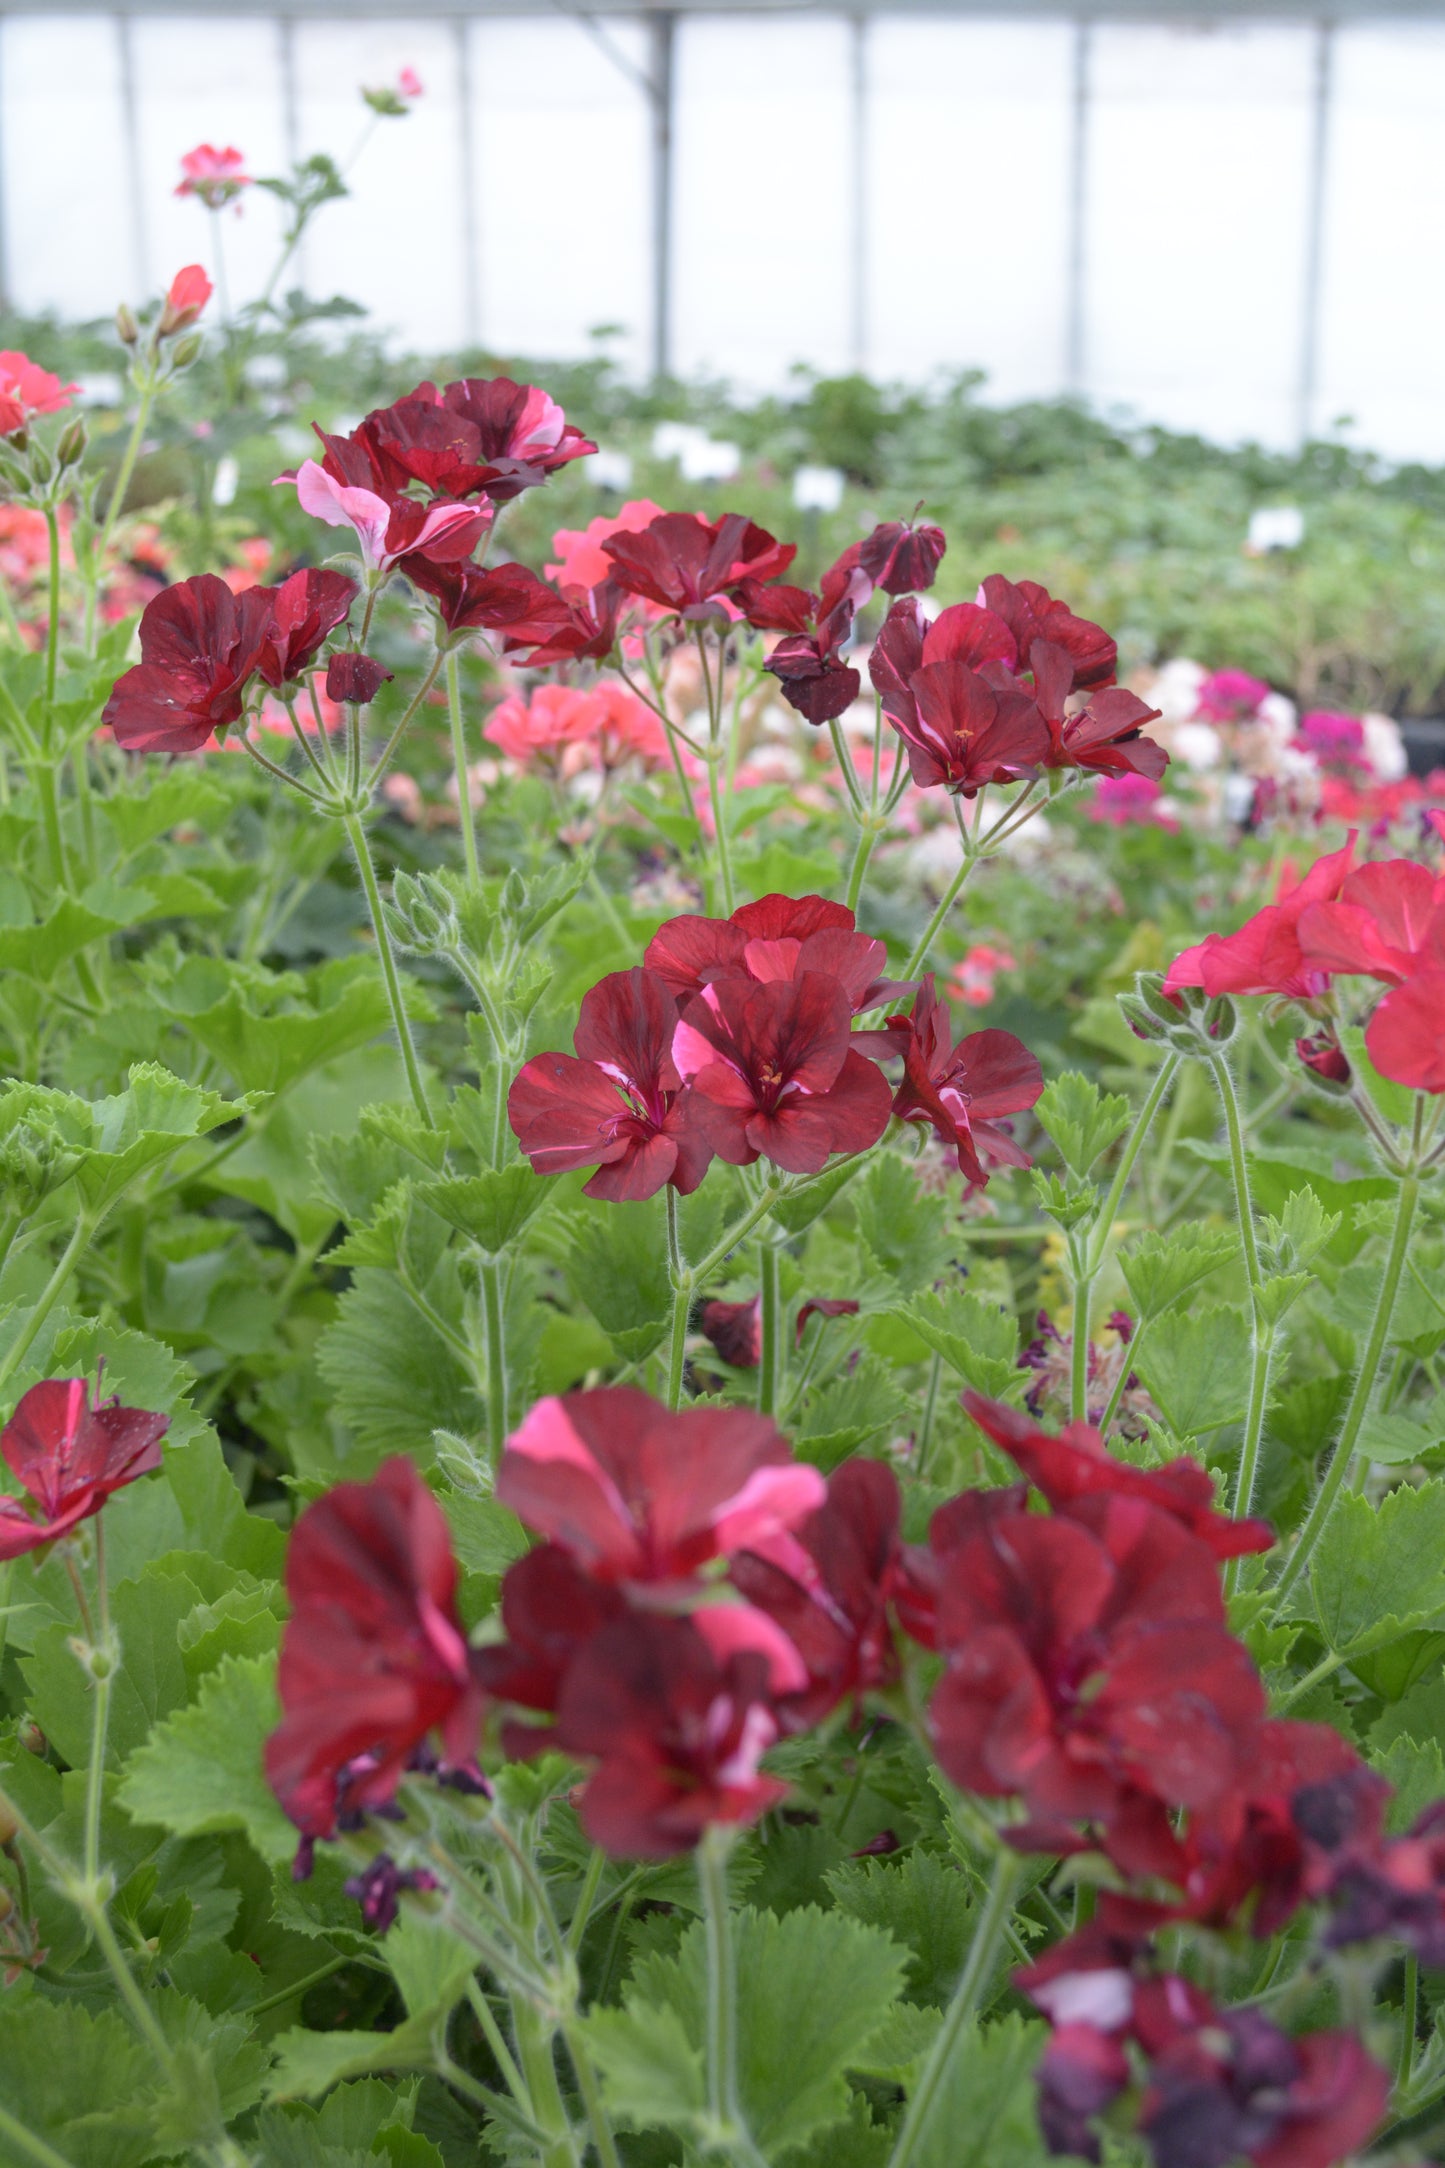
(389, 529)
(70, 1457)
(213, 175)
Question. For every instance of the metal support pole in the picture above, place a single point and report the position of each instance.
(662, 30)
(858, 193)
(467, 158)
(1314, 263)
(290, 115)
(1076, 270)
(130, 140)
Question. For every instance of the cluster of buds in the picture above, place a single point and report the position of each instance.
(186, 297)
(1187, 1021)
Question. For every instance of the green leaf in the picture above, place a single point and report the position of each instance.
(150, 1682)
(429, 1963)
(976, 1337)
(903, 1226)
(1274, 1177)
(617, 1266)
(652, 2073)
(1199, 1373)
(186, 796)
(1082, 1122)
(310, 2063)
(848, 1413)
(983, 2114)
(82, 2083)
(393, 1377)
(817, 1986)
(1161, 1270)
(1417, 1774)
(270, 1029)
(1417, 1321)
(491, 1208)
(201, 1772)
(923, 1901)
(1379, 1570)
(1302, 1230)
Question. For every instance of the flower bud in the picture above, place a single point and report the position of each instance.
(9, 1825)
(72, 446)
(356, 679)
(1326, 1061)
(187, 351)
(1188, 1021)
(127, 330)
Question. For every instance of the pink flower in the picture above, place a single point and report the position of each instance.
(389, 529)
(581, 561)
(409, 83)
(556, 715)
(187, 295)
(213, 175)
(1126, 800)
(1230, 696)
(26, 389)
(625, 725)
(972, 980)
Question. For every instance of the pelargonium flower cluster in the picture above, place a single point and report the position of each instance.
(1384, 921)
(69, 1454)
(734, 1039)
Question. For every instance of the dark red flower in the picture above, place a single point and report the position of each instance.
(964, 732)
(1088, 1660)
(586, 632)
(822, 1306)
(636, 1493)
(777, 937)
(808, 662)
(69, 1457)
(829, 1587)
(355, 678)
(1405, 1038)
(960, 1091)
(677, 1732)
(522, 433)
(901, 558)
(1226, 2084)
(1265, 956)
(774, 1074)
(1080, 2072)
(508, 599)
(373, 1657)
(1103, 736)
(735, 1330)
(418, 439)
(618, 1104)
(304, 609)
(1393, 1890)
(1031, 613)
(1077, 1464)
(685, 563)
(925, 1568)
(1322, 1054)
(550, 1610)
(200, 646)
(378, 1887)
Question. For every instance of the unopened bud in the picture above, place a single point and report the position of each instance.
(127, 330)
(187, 351)
(7, 1905)
(32, 1738)
(9, 1822)
(73, 440)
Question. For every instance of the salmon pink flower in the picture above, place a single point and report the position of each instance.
(690, 565)
(677, 1732)
(972, 981)
(522, 433)
(187, 295)
(1077, 1464)
(618, 1103)
(200, 645)
(581, 562)
(69, 1457)
(637, 1494)
(1265, 956)
(774, 1074)
(390, 529)
(555, 716)
(373, 1657)
(962, 1091)
(305, 609)
(508, 598)
(216, 176)
(27, 389)
(626, 726)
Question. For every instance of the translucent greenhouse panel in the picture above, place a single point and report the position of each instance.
(1199, 147)
(1383, 305)
(397, 243)
(563, 199)
(69, 237)
(968, 146)
(760, 238)
(220, 84)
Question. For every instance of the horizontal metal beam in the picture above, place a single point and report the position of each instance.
(1174, 13)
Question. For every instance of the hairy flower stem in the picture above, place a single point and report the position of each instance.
(683, 1283)
(114, 506)
(24, 2145)
(493, 1311)
(50, 1294)
(1262, 1328)
(849, 773)
(1365, 1376)
(730, 2135)
(770, 1352)
(356, 832)
(870, 828)
(539, 2069)
(465, 811)
(104, 1662)
(975, 848)
(982, 1956)
(52, 629)
(1087, 1255)
(714, 690)
(592, 2101)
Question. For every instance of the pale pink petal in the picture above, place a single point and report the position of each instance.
(771, 1499)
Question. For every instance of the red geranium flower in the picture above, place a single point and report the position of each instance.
(390, 530)
(948, 690)
(677, 1731)
(774, 1073)
(960, 1091)
(508, 598)
(902, 558)
(1077, 1464)
(735, 1330)
(779, 937)
(1405, 1038)
(1226, 2084)
(522, 432)
(1088, 1661)
(1265, 956)
(355, 678)
(550, 1609)
(304, 609)
(618, 1104)
(829, 1587)
(69, 1457)
(636, 1493)
(925, 1568)
(26, 389)
(1031, 613)
(1388, 923)
(187, 295)
(686, 563)
(373, 1657)
(822, 1306)
(807, 662)
(586, 630)
(1104, 736)
(199, 644)
(418, 439)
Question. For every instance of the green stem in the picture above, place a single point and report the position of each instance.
(683, 1285)
(586, 1898)
(591, 2093)
(380, 765)
(1109, 1210)
(982, 1956)
(714, 690)
(1324, 1669)
(114, 505)
(100, 1712)
(1341, 1456)
(85, 799)
(465, 811)
(146, 2023)
(494, 1313)
(730, 2133)
(1122, 1380)
(492, 2034)
(1079, 1336)
(539, 2069)
(919, 956)
(52, 629)
(869, 831)
(25, 2143)
(846, 769)
(770, 1354)
(47, 785)
(302, 1986)
(1409, 2021)
(24, 1340)
(387, 959)
(930, 1407)
(1239, 1167)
